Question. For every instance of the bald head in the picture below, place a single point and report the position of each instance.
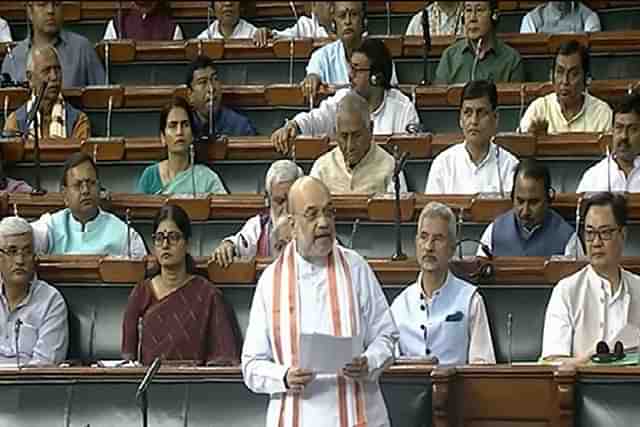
(311, 215)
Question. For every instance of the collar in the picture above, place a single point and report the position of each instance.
(490, 154)
(93, 224)
(600, 283)
(585, 104)
(636, 164)
(495, 46)
(30, 287)
(437, 292)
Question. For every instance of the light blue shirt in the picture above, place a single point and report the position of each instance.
(43, 335)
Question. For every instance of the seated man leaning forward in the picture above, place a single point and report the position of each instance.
(531, 228)
(56, 117)
(82, 227)
(441, 315)
(254, 239)
(357, 165)
(33, 314)
(598, 302)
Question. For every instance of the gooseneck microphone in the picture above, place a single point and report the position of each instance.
(192, 161)
(141, 394)
(128, 220)
(32, 117)
(354, 230)
(476, 59)
(140, 330)
(522, 98)
(401, 160)
(387, 5)
(510, 336)
(500, 183)
(292, 41)
(577, 227)
(209, 30)
(426, 37)
(16, 336)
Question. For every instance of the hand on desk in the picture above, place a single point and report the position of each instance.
(261, 37)
(283, 137)
(223, 255)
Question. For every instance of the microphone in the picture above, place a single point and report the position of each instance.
(192, 159)
(500, 183)
(476, 59)
(107, 62)
(485, 249)
(510, 336)
(32, 117)
(16, 336)
(459, 231)
(522, 97)
(354, 230)
(292, 42)
(128, 220)
(608, 153)
(209, 31)
(140, 330)
(109, 114)
(148, 377)
(426, 37)
(92, 334)
(577, 228)
(212, 117)
(388, 11)
(120, 26)
(400, 162)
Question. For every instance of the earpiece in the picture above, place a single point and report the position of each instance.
(267, 201)
(376, 79)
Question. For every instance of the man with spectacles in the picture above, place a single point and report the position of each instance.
(599, 301)
(33, 314)
(80, 64)
(441, 315)
(620, 169)
(82, 227)
(481, 55)
(357, 165)
(316, 286)
(570, 108)
(370, 76)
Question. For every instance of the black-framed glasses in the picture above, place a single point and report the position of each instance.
(14, 252)
(173, 237)
(605, 234)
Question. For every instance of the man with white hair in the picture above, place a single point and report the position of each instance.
(33, 314)
(254, 237)
(357, 165)
(441, 315)
(56, 117)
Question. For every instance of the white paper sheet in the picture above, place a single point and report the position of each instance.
(328, 354)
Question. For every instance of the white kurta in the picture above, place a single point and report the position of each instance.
(453, 172)
(607, 175)
(246, 240)
(242, 30)
(319, 398)
(392, 116)
(305, 27)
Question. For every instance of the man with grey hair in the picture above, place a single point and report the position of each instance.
(254, 239)
(356, 165)
(441, 315)
(280, 235)
(78, 57)
(33, 314)
(56, 118)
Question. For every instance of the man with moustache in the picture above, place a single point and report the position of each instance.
(620, 171)
(570, 108)
(561, 17)
(229, 25)
(441, 315)
(316, 286)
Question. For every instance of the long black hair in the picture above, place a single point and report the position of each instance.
(183, 222)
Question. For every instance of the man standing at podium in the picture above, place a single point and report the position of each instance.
(441, 315)
(317, 287)
(599, 301)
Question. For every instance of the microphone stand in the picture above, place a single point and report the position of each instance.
(209, 31)
(510, 336)
(426, 36)
(354, 230)
(400, 161)
(16, 336)
(193, 165)
(128, 219)
(460, 223)
(33, 118)
(522, 97)
(292, 41)
(476, 59)
(141, 394)
(388, 11)
(577, 228)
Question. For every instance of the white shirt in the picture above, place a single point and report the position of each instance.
(392, 116)
(246, 240)
(262, 375)
(440, 24)
(453, 172)
(581, 295)
(242, 30)
(605, 172)
(305, 27)
(547, 18)
(594, 116)
(112, 34)
(5, 31)
(487, 239)
(480, 343)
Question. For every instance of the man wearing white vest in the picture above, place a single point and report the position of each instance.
(316, 286)
(598, 302)
(441, 315)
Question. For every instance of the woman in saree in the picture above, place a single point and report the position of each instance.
(178, 174)
(177, 315)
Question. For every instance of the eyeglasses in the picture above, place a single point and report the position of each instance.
(14, 252)
(77, 186)
(173, 237)
(313, 214)
(605, 234)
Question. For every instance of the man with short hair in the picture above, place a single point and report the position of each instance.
(80, 64)
(445, 19)
(316, 286)
(481, 54)
(476, 165)
(204, 88)
(357, 165)
(82, 227)
(370, 74)
(601, 300)
(570, 108)
(57, 118)
(561, 17)
(33, 314)
(531, 228)
(229, 25)
(620, 170)
(254, 239)
(441, 315)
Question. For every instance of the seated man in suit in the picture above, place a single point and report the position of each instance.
(80, 63)
(570, 108)
(620, 170)
(476, 165)
(481, 54)
(204, 89)
(229, 25)
(33, 314)
(82, 227)
(561, 17)
(531, 228)
(441, 315)
(57, 118)
(601, 300)
(356, 165)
